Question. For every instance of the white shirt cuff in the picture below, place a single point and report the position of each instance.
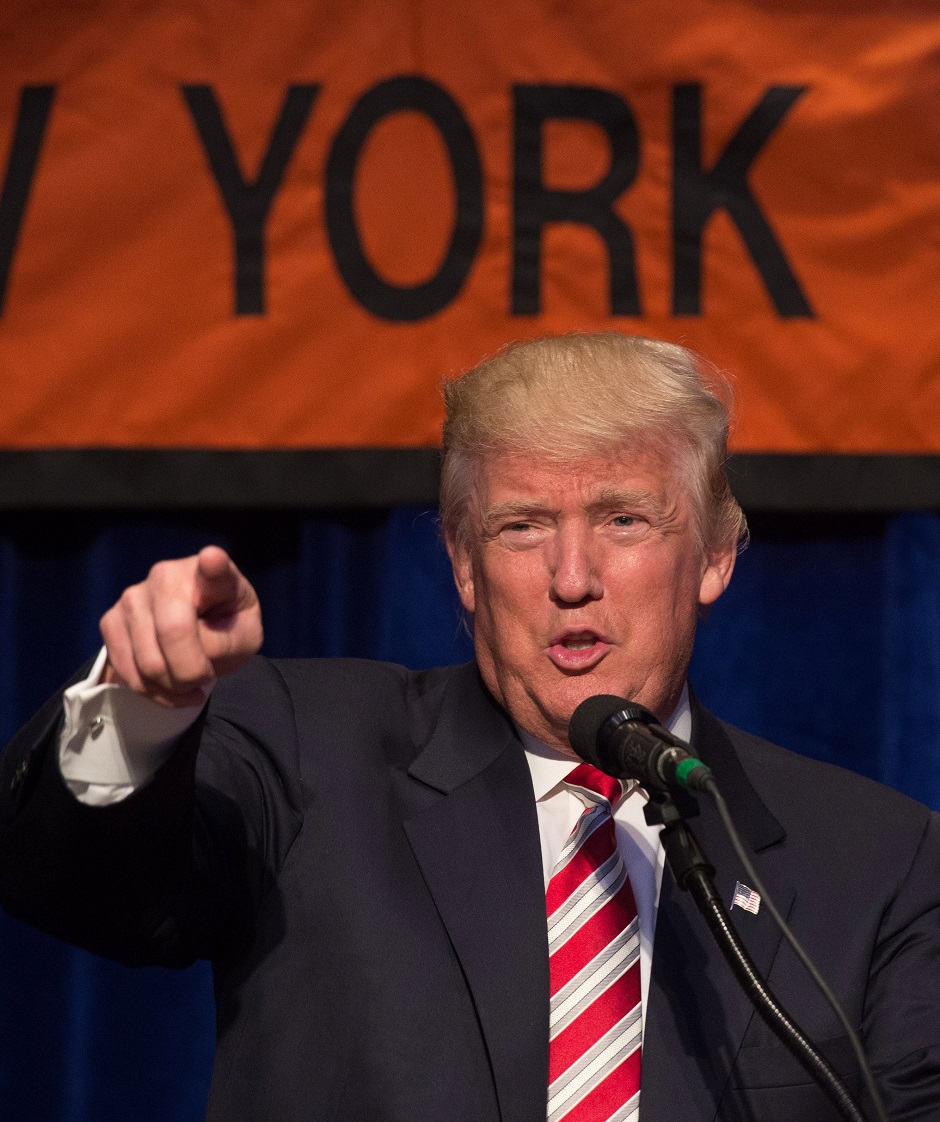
(114, 739)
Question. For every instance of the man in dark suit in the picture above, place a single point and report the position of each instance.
(363, 852)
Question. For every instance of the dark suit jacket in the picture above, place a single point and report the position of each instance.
(356, 848)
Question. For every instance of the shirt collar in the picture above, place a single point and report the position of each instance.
(549, 767)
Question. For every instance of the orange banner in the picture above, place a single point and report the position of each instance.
(278, 225)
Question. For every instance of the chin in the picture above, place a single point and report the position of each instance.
(566, 699)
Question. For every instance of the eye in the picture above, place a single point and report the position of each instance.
(520, 534)
(627, 527)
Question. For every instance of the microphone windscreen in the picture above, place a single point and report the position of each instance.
(586, 722)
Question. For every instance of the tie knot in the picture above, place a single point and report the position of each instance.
(595, 784)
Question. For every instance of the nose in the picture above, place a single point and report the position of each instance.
(575, 566)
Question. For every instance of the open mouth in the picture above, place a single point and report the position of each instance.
(577, 650)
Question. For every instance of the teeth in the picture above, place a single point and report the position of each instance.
(578, 644)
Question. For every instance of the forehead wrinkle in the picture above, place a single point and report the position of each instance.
(625, 499)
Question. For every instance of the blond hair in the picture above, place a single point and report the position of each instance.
(568, 397)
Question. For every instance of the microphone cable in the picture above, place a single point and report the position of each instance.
(605, 731)
(712, 788)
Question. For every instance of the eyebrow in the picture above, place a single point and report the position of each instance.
(516, 509)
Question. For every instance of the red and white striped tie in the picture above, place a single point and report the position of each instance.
(594, 963)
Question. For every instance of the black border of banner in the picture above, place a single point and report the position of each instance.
(321, 479)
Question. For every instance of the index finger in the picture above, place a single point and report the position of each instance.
(218, 586)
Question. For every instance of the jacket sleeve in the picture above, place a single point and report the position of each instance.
(902, 1007)
(175, 871)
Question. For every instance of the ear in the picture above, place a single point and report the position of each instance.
(716, 575)
(462, 565)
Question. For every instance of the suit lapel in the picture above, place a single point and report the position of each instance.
(473, 829)
(697, 1014)
(474, 833)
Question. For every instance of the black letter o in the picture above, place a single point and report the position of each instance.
(390, 301)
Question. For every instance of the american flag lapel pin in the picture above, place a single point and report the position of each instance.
(745, 898)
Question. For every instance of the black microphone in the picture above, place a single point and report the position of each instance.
(626, 741)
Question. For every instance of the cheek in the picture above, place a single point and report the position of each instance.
(662, 590)
(509, 605)
(509, 580)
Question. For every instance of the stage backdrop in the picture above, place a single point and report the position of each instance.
(275, 226)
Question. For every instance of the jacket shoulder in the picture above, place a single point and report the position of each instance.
(328, 703)
(837, 808)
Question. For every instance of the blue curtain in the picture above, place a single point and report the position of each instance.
(828, 641)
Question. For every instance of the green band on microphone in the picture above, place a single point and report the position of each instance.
(683, 769)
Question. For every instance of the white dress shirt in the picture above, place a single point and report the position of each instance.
(114, 740)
